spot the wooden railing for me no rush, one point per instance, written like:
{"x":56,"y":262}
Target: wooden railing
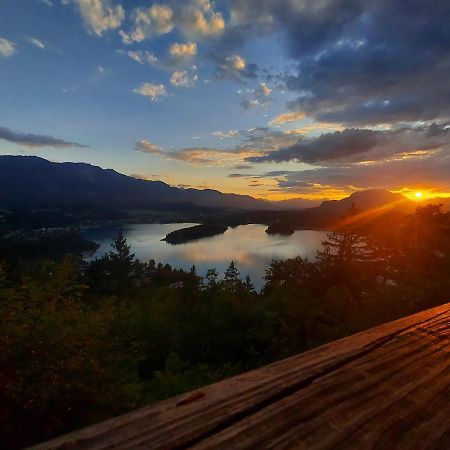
{"x":385,"y":388}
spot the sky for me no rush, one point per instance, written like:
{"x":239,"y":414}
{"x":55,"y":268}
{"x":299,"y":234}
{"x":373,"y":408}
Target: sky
{"x":277,"y":99}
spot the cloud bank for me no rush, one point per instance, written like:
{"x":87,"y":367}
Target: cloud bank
{"x":359,"y":62}
{"x":35,"y":140}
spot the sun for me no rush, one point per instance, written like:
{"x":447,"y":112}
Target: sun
{"x":418,"y":195}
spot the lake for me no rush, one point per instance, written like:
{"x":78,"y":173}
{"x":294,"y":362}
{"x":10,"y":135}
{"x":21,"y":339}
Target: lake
{"x":249,"y":246}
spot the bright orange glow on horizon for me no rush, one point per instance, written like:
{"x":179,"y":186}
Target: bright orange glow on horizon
{"x":332,"y":194}
{"x":422,"y":194}
{"x":326,"y":195}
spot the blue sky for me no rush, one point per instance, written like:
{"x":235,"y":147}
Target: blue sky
{"x":276,"y":99}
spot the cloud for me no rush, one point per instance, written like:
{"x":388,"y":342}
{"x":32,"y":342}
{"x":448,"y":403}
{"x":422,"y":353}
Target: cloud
{"x":264,"y":139}
{"x":398,"y":158}
{"x":357,"y":62}
{"x":316,"y":127}
{"x":141,"y":57}
{"x":100,"y":15}
{"x":153,"y":21}
{"x":126,"y":37}
{"x":230,"y":134}
{"x":146,"y":146}
{"x":192,"y":18}
{"x":331,"y":153}
{"x":235,"y":62}
{"x":359,"y":145}
{"x":182,"y":53}
{"x":431,"y":172}
{"x":277,"y":173}
{"x":46,"y":2}
{"x":265,"y":90}
{"x":206,"y":156}
{"x":281,"y":119}
{"x":239,"y":175}
{"x":38,"y":43}
{"x":183,"y":78}
{"x":35,"y":140}
{"x":153,"y":91}
{"x":252,"y":143}
{"x":101,"y":72}
{"x":259,"y":140}
{"x":178,"y":55}
{"x":233,"y":67}
{"x":255,"y":97}
{"x":340,"y":144}
{"x":198,"y":18}
{"x":242,"y":167}
{"x":7,"y":48}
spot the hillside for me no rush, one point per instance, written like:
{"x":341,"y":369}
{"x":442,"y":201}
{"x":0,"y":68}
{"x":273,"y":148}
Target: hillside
{"x":377,"y":201}
{"x":297,"y":203}
{"x":32,"y":182}
{"x":368,"y":200}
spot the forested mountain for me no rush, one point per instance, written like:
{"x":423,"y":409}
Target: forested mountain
{"x":29,"y":181}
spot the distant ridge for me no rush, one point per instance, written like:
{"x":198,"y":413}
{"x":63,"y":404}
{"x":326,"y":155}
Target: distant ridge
{"x":330,"y":212}
{"x":375,"y":198}
{"x":33,"y":182}
{"x":369,"y":199}
{"x":297,"y":203}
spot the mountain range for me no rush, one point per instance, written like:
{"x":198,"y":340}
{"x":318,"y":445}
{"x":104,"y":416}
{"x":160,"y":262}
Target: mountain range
{"x":33,"y":182}
{"x":29,"y":181}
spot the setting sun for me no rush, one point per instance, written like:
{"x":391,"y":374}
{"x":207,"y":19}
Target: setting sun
{"x":418,"y":195}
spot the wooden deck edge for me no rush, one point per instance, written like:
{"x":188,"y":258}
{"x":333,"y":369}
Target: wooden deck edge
{"x":189,"y":419}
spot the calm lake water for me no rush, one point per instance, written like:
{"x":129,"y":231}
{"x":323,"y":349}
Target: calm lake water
{"x":249,"y":246}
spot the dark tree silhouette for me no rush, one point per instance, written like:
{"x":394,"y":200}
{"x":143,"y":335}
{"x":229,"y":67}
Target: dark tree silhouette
{"x":232,"y":278}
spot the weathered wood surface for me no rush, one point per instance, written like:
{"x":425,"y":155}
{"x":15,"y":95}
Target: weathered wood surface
{"x":385,"y":388}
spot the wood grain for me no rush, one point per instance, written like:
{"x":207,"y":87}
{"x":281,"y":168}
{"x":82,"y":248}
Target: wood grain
{"x":385,"y":388}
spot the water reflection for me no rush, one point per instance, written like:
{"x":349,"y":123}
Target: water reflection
{"x":248,"y":245}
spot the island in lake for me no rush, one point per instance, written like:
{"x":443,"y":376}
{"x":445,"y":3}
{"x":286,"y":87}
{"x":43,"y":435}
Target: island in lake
{"x":194,"y":233}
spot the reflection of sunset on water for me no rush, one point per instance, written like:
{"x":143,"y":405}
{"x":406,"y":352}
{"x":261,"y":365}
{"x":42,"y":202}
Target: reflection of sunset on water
{"x":221,"y":252}
{"x":249,"y":246}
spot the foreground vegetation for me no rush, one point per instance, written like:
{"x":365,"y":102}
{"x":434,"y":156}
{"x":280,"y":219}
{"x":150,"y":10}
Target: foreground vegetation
{"x":83,"y":341}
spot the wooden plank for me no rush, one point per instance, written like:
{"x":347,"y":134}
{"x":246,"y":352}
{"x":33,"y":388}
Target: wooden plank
{"x":388,"y":387}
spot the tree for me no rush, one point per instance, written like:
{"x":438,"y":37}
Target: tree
{"x":59,"y":358}
{"x":114,"y":273}
{"x":293,"y":274}
{"x":211,"y":279}
{"x":232,"y":280}
{"x":248,"y":285}
{"x":121,"y":250}
{"x":192,"y":282}
{"x":347,"y":244}
{"x":344,"y":254}
{"x":426,"y":238}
